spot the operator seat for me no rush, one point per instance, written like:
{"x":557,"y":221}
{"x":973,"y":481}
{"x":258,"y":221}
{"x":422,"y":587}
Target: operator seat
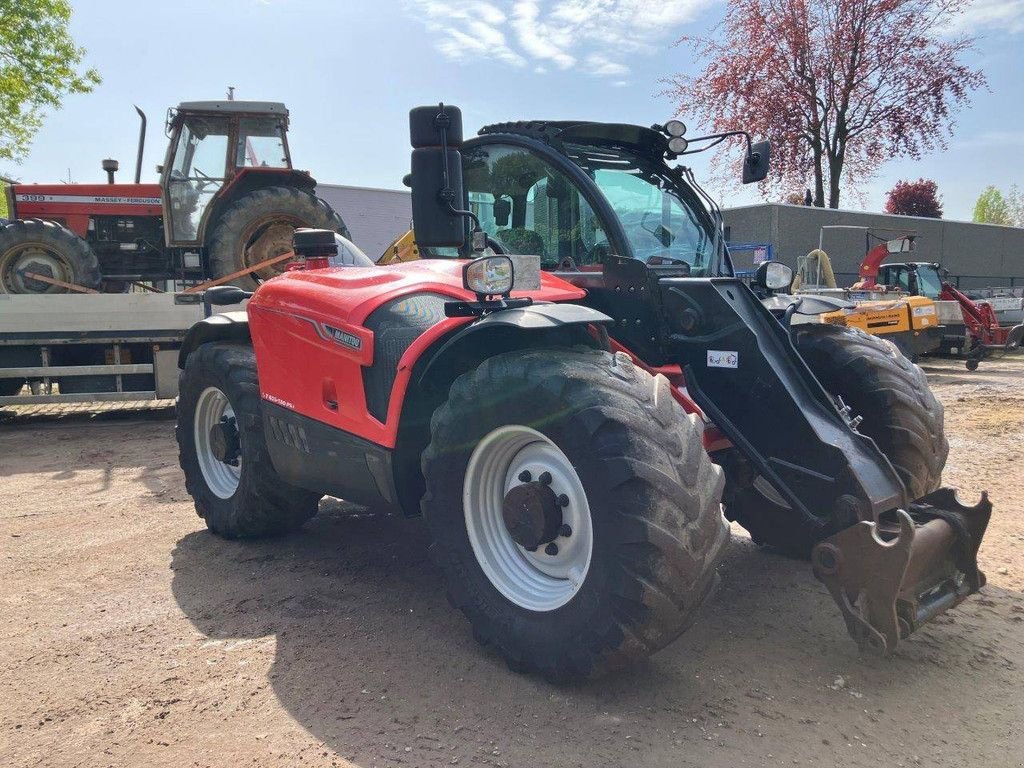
{"x":520,"y":240}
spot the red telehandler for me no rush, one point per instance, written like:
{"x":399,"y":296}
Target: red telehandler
{"x":569,"y":388}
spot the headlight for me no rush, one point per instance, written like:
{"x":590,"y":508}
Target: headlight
{"x":678,"y":145}
{"x":489,"y":275}
{"x":675,"y":128}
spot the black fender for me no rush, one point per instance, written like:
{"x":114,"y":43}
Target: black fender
{"x":226,"y":326}
{"x":530,"y":319}
{"x":810,"y":304}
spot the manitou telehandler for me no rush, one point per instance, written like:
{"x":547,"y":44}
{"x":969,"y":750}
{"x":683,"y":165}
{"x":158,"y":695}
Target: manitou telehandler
{"x":571,"y":433}
{"x":228,"y":200}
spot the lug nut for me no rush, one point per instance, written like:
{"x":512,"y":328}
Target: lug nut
{"x":545,"y":477}
{"x":563,"y":500}
{"x":565,"y":530}
{"x":551,"y":549}
{"x":525,"y":476}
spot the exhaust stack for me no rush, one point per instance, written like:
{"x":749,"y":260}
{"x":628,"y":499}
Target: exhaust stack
{"x":142,"y":144}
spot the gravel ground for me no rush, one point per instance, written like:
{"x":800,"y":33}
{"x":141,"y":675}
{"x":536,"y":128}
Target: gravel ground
{"x":131,"y":636}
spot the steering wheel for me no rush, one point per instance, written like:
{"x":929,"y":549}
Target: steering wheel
{"x":567,"y":264}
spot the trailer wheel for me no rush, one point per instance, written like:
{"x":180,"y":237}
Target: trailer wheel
{"x":573,"y":509}
{"x":899,"y":411}
{"x":48,"y":249}
{"x":259,"y":226}
{"x":222,"y":450}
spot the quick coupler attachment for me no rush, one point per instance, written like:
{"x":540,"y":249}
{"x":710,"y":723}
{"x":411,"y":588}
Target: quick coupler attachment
{"x":892,"y":576}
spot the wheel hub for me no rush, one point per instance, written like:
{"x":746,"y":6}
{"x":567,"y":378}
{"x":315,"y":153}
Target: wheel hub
{"x":224,"y":442}
{"x":532,"y":514}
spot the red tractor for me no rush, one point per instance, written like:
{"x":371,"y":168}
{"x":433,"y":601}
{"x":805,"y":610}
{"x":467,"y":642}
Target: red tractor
{"x":572,"y":433}
{"x":228,"y":200}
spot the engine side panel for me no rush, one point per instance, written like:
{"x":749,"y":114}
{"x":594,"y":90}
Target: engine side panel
{"x":73,"y":205}
{"x":324,"y":353}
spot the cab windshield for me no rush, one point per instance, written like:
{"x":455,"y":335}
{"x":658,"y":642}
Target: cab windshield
{"x":528,"y":205}
{"x":928,"y":281}
{"x":664,"y":222}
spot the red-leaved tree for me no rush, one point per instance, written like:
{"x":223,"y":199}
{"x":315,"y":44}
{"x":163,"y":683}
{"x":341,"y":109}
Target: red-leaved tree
{"x":915,"y":198}
{"x":839,"y":86}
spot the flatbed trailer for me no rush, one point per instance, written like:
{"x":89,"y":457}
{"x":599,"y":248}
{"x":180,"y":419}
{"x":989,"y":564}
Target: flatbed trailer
{"x":78,"y":348}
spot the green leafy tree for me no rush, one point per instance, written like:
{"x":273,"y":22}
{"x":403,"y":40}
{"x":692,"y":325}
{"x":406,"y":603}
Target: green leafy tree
{"x":39,"y":65}
{"x":992,"y":208}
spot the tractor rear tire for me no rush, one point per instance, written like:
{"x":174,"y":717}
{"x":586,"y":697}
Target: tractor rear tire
{"x":900,"y":413}
{"x":250,"y":499}
{"x":634,"y":480}
{"x":48,"y":249}
{"x":259,"y":226}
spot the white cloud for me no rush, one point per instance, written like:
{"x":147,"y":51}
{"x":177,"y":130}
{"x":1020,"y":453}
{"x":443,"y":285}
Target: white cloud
{"x":595,"y":36}
{"x":1004,"y":15}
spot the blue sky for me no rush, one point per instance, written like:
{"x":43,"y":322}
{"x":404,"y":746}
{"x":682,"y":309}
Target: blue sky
{"x":349,"y":70}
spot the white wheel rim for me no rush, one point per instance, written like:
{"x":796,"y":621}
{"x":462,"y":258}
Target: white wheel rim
{"x":222,"y":479}
{"x":536,"y":581}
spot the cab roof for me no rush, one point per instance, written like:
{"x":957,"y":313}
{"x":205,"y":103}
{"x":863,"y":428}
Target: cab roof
{"x":645,"y":141}
{"x":235,"y":107}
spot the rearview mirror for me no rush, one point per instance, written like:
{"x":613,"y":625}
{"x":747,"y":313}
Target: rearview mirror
{"x":502,"y":210}
{"x":774,"y":276}
{"x":436,"y":179}
{"x":757,"y":162}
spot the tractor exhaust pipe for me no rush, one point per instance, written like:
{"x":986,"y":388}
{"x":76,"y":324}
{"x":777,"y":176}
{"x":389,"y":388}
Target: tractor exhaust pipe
{"x":142,"y":144}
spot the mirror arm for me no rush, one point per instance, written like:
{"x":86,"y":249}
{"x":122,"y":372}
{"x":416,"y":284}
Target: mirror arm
{"x":447,"y":195}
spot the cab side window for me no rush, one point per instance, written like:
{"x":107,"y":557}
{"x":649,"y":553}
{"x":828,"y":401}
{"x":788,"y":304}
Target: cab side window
{"x":530,"y":207}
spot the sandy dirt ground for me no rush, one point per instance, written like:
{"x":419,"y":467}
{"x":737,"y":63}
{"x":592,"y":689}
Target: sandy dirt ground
{"x":132,"y":637}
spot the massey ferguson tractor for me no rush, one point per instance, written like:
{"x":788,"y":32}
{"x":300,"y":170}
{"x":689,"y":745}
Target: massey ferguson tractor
{"x":570,"y":388}
{"x":227,"y":202}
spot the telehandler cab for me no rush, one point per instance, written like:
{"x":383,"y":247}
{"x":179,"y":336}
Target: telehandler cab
{"x":570,"y":433}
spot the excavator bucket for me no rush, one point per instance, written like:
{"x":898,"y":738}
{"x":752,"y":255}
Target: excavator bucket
{"x":891,"y":577}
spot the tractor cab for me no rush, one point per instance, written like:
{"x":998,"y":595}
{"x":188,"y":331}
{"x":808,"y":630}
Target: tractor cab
{"x":919,"y":278}
{"x":213,"y":144}
{"x":578,"y":194}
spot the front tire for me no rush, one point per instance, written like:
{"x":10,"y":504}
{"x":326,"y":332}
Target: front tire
{"x":638,"y":491}
{"x":223,"y":452}
{"x":899,"y":411}
{"x":259,"y":226}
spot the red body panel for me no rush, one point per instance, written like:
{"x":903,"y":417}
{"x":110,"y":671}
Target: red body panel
{"x":301,"y":367}
{"x":73,"y":204}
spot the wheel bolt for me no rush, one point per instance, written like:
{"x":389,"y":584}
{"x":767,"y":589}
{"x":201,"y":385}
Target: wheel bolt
{"x":525,"y":476}
{"x":545,"y":477}
{"x":563,"y":500}
{"x":551,"y":549}
{"x":565,"y":530}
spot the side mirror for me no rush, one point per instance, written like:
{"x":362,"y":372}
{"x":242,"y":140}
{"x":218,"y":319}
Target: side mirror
{"x":757,"y":162}
{"x":774,"y":276}
{"x":502,"y":211}
{"x":436,"y":178}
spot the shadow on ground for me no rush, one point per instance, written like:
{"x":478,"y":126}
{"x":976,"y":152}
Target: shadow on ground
{"x":372,"y":660}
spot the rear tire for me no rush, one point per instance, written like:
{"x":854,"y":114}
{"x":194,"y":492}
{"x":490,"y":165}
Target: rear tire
{"x":45,"y":248}
{"x":250,"y":499}
{"x":620,"y":448}
{"x":900,"y":413}
{"x":259,"y":226}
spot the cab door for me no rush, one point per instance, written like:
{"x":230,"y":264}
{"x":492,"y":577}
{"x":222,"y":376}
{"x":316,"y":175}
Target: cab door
{"x":193,"y":175}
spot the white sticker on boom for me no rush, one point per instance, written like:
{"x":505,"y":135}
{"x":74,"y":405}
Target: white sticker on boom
{"x":718,"y":358}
